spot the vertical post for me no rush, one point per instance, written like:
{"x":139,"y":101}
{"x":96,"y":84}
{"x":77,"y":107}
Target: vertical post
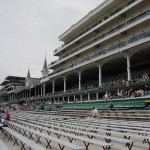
{"x":68,"y":99}
{"x":44,"y":89}
{"x":128,"y":56}
{"x":41,"y":90}
{"x":88,"y":96}
{"x":53,"y":86}
{"x":100,"y":75}
{"x":128,"y":67}
{"x":74,"y":97}
{"x":64,"y":84}
{"x":97,"y":96}
{"x":79,"y":74}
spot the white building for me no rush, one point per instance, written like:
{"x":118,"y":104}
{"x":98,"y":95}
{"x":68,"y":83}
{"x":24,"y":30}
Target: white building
{"x":111,"y":42}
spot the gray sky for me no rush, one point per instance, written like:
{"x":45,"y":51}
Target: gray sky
{"x":29,"y":29}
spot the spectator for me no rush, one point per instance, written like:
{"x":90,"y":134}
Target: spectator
{"x":110,"y":107}
{"x":7,"y":116}
{"x":3,"y":121}
{"x":93,"y":113}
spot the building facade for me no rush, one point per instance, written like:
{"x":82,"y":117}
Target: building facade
{"x":107,"y":47}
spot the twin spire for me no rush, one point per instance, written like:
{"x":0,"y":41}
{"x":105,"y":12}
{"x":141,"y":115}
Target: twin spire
{"x":45,"y":69}
{"x":44,"y":73}
{"x":28,"y":79}
{"x":28,"y":75}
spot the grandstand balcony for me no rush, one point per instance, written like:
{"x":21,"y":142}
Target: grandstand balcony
{"x":130,"y":43}
{"x":120,"y":11}
{"x":116,"y":31}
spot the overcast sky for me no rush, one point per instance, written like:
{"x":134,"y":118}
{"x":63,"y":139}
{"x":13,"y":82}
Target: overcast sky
{"x":29,"y":29}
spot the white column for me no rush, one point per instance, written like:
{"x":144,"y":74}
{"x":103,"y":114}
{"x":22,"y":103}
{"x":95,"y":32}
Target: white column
{"x":96,"y":95}
{"x":79,"y":74}
{"x":88,"y":96}
{"x":44,"y":89}
{"x":100,"y":75}
{"x":128,"y":56}
{"x":53,"y":86}
{"x":64,"y":84}
{"x":68,"y":99}
{"x":128,"y":67}
{"x":41,"y":91}
{"x":74,"y":97}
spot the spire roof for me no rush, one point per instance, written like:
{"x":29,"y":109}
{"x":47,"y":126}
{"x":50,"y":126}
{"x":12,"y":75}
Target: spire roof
{"x":45,"y":65}
{"x":28,"y":74}
{"x":45,"y":69}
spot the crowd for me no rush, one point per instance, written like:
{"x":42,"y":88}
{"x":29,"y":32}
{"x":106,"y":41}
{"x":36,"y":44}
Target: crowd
{"x":131,"y":92}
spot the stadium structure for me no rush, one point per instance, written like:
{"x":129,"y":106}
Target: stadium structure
{"x":105,"y":57}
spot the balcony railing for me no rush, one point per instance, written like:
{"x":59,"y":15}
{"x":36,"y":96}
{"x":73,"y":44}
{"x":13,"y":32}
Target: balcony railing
{"x":104,"y":51}
{"x":96,"y":24}
{"x":105,"y":35}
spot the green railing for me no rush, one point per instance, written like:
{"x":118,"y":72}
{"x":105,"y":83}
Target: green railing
{"x":135,"y":103}
{"x":125,"y":103}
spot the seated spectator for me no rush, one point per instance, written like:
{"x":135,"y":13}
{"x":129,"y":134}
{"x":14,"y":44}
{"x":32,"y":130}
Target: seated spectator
{"x":93,"y":113}
{"x":7,"y":116}
{"x":3,"y":121}
{"x":110,"y":107}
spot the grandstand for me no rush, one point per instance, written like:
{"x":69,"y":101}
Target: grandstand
{"x":105,"y":57}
